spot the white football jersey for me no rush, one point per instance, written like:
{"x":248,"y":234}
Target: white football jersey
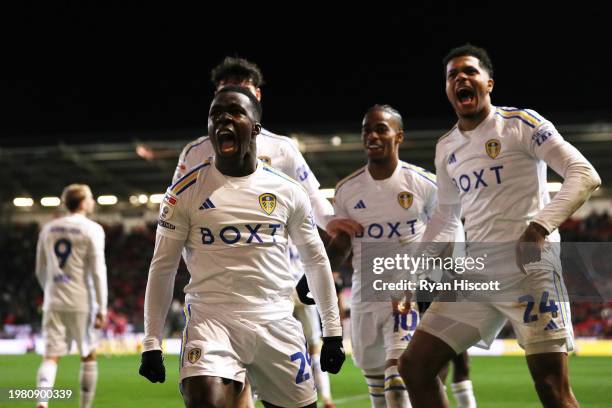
{"x":496,"y":173}
{"x":70,"y":264}
{"x":236,"y":231}
{"x":277,"y":151}
{"x":393,"y":211}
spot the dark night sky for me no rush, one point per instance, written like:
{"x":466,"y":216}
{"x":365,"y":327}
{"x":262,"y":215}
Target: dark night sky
{"x":320,"y":69}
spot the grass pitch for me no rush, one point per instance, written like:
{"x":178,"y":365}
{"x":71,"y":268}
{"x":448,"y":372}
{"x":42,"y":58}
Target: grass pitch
{"x":498,"y":382}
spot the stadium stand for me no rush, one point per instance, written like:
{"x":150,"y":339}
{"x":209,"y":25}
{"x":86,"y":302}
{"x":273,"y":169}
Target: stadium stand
{"x":128,"y":257}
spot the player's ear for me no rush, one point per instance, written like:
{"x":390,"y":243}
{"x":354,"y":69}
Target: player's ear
{"x":258,"y":94}
{"x":256,"y":129}
{"x":399,"y":137}
{"x":490,"y":83}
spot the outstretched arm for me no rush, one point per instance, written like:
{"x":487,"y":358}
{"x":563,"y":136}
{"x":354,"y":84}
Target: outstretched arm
{"x":305,"y":236}
{"x":160,"y":286}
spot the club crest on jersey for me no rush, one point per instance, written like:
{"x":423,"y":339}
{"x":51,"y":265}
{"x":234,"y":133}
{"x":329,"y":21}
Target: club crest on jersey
{"x":267,"y":201}
{"x":266,"y":159}
{"x":405,"y":199}
{"x":194,"y":355}
{"x":493,"y":147}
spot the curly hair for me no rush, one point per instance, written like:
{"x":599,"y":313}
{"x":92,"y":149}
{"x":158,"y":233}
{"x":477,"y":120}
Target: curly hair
{"x":472,"y":51}
{"x":239,"y":69}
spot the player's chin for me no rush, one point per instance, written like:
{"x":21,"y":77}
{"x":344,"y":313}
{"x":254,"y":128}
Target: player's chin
{"x":375,"y":155}
{"x":466,"y":111}
{"x":378,"y":156}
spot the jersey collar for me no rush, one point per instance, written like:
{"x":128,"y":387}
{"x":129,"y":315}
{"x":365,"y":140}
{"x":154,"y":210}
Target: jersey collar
{"x":370,"y":179}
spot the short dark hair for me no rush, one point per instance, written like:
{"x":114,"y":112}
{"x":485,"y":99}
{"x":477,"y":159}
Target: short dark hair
{"x":390,"y":110}
{"x":236,"y":68}
{"x":73,"y":195}
{"x":472,"y":51}
{"x":245,"y":91}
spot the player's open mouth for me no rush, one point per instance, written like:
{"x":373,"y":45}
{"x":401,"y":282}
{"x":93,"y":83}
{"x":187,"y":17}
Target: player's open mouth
{"x":227,"y":141}
{"x":374,"y":147}
{"x":465,"y":96}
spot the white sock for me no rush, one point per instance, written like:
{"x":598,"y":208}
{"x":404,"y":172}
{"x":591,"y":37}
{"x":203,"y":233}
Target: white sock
{"x":464,"y":394}
{"x":321,"y":377}
{"x":376,"y":388}
{"x":396,"y":394}
{"x":45,"y":378}
{"x":88,"y":377}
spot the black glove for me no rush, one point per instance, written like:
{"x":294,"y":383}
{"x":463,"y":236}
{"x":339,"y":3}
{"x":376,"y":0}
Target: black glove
{"x":303,"y":290}
{"x":332,"y":354}
{"x":152,"y":366}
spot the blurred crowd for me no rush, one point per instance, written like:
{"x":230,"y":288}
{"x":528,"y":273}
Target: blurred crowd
{"x":128,"y":255}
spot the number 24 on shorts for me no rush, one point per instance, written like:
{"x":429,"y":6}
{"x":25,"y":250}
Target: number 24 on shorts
{"x":545,"y":307}
{"x":304,"y":358}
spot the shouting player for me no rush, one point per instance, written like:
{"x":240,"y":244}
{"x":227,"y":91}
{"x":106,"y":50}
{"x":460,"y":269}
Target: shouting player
{"x":233,"y":215}
{"x":491,"y":168}
{"x":281,"y":153}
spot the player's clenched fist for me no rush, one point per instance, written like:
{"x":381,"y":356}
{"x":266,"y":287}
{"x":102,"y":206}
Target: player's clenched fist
{"x":152,"y":366}
{"x":332,"y":354}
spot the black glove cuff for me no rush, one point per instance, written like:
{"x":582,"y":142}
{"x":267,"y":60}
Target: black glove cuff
{"x":151,"y":354}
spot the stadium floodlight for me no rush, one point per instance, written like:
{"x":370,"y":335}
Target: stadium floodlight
{"x":134,"y":200}
{"x":50,"y":201}
{"x":328,"y":192}
{"x":145,"y":151}
{"x":336,"y":141}
{"x":107,"y":200}
{"x":142,"y":198}
{"x":156,"y":198}
{"x":23,"y":202}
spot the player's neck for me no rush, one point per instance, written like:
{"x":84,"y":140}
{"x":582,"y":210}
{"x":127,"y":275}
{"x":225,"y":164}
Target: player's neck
{"x":471,"y":122}
{"x":382,"y":170}
{"x":237,"y":167}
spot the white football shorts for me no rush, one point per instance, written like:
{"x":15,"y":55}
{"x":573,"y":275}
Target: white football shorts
{"x":379,"y":335}
{"x":61,"y":328}
{"x":221,"y":344}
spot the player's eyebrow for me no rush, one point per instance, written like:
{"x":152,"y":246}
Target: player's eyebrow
{"x":452,"y":71}
{"x":373,"y":125}
{"x":464,"y":68}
